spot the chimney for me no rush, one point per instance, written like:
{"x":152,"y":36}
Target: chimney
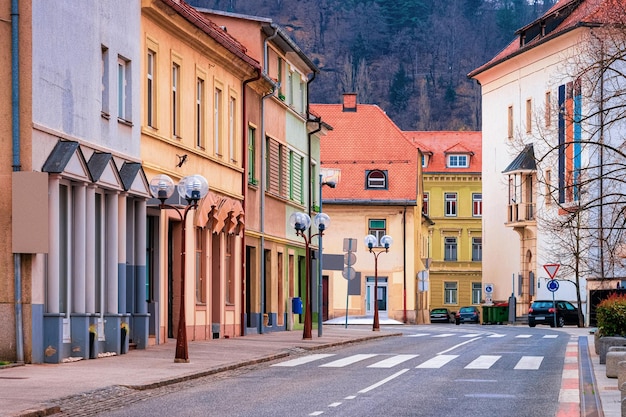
{"x":349,"y":102}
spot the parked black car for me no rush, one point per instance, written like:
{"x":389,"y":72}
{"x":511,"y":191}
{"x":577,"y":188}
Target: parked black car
{"x":543,"y":311}
{"x":467,"y":315}
{"x":441,"y":315}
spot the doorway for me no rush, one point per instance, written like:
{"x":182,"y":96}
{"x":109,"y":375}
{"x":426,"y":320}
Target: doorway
{"x":381,"y":297}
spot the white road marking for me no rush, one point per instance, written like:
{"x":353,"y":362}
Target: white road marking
{"x":334,"y":404}
{"x":471,"y":335}
{"x":551,"y":336}
{"x":384,"y":381}
{"x":496,"y":335}
{"x":523,"y":336}
{"x":392,"y":361}
{"x":316,"y":413}
{"x":529,"y":362}
{"x":483,"y":362}
{"x":444,"y":335}
{"x":459,"y":345}
{"x":417,"y":335}
{"x":350,"y":397}
{"x":340,"y":363}
{"x":304,"y":359}
{"x":437,"y":362}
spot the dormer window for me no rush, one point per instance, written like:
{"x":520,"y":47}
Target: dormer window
{"x":458,"y":161}
{"x":376,"y":179}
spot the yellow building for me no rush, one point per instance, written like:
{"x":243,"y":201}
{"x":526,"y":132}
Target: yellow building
{"x":453,"y":201}
{"x":193,"y":78}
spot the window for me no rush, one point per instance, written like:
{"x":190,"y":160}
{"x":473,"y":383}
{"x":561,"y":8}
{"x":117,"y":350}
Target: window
{"x":477,"y":249}
{"x":450,"y":292}
{"x":175,"y":100}
{"x":424,"y":161}
{"x":150,"y":88}
{"x":477,"y":204}
{"x":200,"y":111}
{"x":458,"y":161}
{"x":124,"y":92}
{"x":548,"y":193}
{"x":476,"y":292}
{"x":510,"y":122}
{"x":251,"y":155}
{"x":529,"y":115}
{"x":281,"y":171}
{"x":425,"y":204}
{"x":290,"y":88}
{"x":229,"y":260}
{"x":105,"y":81}
{"x":281,"y":92}
{"x":378,"y":228}
{"x":376,"y":179}
{"x":450,"y":249}
{"x":450,"y":204}
{"x":200,"y":266}
{"x":296,"y":185}
{"x":217,"y":122}
{"x":232,"y":129}
{"x":548,"y":114}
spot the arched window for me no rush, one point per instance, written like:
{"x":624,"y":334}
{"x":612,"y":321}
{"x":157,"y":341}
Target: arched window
{"x":376,"y":179}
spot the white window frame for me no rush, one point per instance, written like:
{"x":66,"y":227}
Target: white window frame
{"x":124,"y":99}
{"x":477,"y":204}
{"x":377,"y":182}
{"x":451,"y":202}
{"x":450,"y":292}
{"x":458,"y":161}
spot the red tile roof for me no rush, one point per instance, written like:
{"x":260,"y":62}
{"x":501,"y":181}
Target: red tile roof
{"x":214,"y":31}
{"x":439,"y":144}
{"x":565,"y":15}
{"x":363,"y":140}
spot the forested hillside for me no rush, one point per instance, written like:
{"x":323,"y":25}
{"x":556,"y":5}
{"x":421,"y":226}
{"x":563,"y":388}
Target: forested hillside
{"x":410,"y":57}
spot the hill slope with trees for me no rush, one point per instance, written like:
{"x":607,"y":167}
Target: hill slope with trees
{"x":410,"y":57}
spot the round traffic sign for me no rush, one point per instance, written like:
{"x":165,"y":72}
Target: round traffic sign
{"x":489,"y":288}
{"x":553,"y":285}
{"x":348,"y":272}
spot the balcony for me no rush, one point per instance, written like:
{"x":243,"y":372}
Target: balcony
{"x":520,"y":214}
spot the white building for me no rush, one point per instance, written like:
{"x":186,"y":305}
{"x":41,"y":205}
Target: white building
{"x":541,"y":128}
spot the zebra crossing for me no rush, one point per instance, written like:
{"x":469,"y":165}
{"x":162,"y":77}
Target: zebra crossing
{"x":388,"y":361}
{"x":529,"y":363}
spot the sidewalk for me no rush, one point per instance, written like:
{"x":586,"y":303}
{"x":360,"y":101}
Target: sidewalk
{"x":26,"y":391}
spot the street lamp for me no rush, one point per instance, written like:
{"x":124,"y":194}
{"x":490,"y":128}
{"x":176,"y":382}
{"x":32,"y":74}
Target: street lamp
{"x":330,"y":178}
{"x":192,"y":189}
{"x":301,"y":222}
{"x":370,"y":241}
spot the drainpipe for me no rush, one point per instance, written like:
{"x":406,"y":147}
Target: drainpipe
{"x":404,"y":263}
{"x":263,"y":174}
{"x":15,"y":130}
{"x":244,"y":192}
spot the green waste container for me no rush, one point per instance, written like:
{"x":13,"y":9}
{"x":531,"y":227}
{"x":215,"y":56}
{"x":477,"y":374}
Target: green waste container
{"x":496,"y":314}
{"x":487,"y":314}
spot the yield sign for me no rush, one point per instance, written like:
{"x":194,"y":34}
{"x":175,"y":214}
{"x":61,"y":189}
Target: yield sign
{"x":551,"y":269}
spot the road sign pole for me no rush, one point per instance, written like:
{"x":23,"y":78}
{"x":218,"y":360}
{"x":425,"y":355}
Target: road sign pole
{"x":554,"y":308}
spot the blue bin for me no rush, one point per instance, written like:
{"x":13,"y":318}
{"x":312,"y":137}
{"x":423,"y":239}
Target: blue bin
{"x":296,"y":305}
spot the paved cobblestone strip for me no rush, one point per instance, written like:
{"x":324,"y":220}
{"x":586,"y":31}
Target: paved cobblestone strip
{"x":569,"y":395}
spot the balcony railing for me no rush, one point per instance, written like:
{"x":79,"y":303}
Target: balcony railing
{"x":521,"y":212}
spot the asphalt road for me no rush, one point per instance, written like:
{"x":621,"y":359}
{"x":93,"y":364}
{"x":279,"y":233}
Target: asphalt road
{"x":446,"y":370}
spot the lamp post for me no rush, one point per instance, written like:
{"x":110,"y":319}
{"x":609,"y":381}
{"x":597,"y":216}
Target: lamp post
{"x":301,"y":222}
{"x":386,"y":241}
{"x":191,"y":188}
{"x":328,"y":177}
